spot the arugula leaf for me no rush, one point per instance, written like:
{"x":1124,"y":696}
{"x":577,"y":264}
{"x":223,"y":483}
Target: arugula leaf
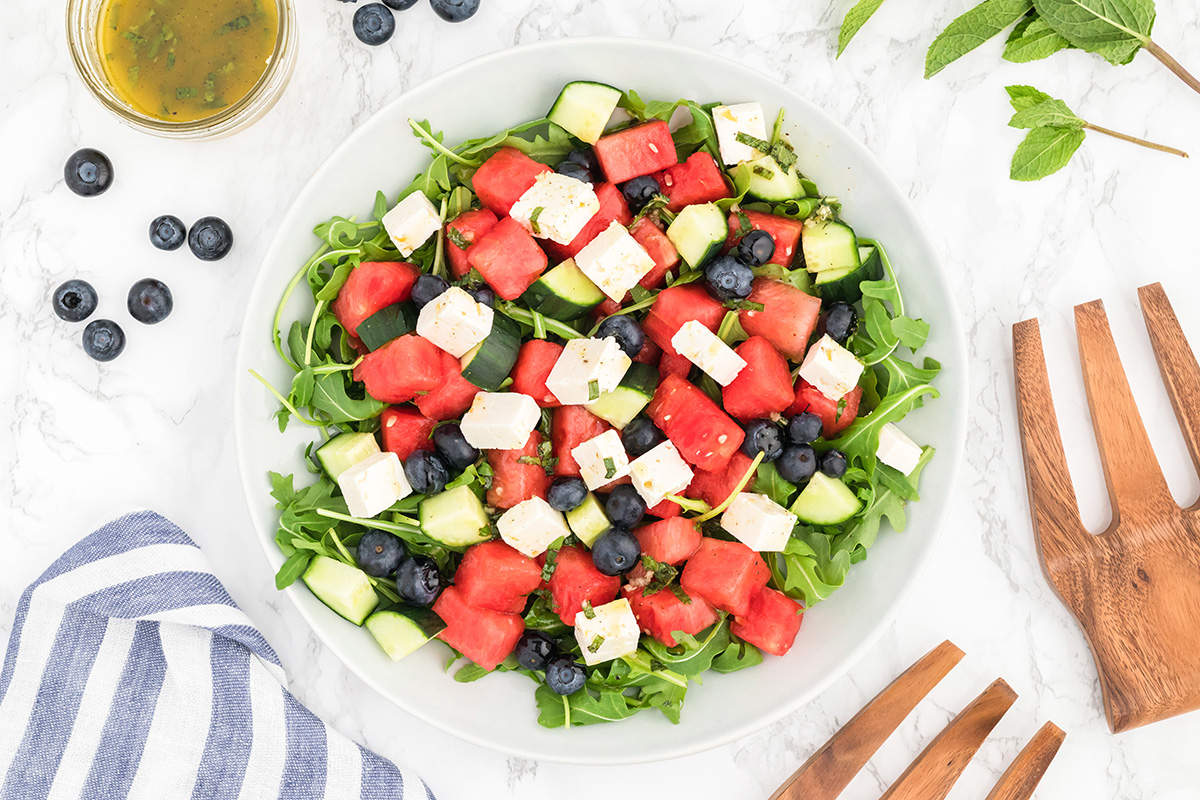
{"x":855,"y":18}
{"x":583,"y":708}
{"x":691,"y":656}
{"x":811,"y":570}
{"x":768,"y":481}
{"x":887,"y":502}
{"x":292,"y":569}
{"x":330,"y":396}
{"x":1113,"y":29}
{"x":738,"y":655}
{"x":861,"y":439}
{"x":1033,"y":39}
{"x":972,"y":29}
{"x":901,"y":376}
{"x":1043,"y":152}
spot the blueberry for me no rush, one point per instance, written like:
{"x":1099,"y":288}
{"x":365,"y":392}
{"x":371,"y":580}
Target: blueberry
{"x":577,"y":171}
{"x":374,"y":24}
{"x":426,"y":472}
{"x":755,"y":248}
{"x":103,"y":340}
{"x":534,"y":649}
{"x":565,"y":675}
{"x":585,"y":157}
{"x":726,"y":278}
{"x":149,"y":301}
{"x":418,"y":580}
{"x":74,"y":301}
{"x":625,"y":507}
{"x":210,"y":239}
{"x":841,"y":321}
{"x":400,"y":5}
{"x":379,"y":553}
{"x":88,"y":172}
{"x":616,"y":552}
{"x":641,"y":436}
{"x":566,"y":494}
{"x":640,"y":191}
{"x":452,"y":446}
{"x":482,"y":294}
{"x":427,"y":288}
{"x":168,"y":232}
{"x":797,"y":463}
{"x":833,"y":463}
{"x":763,"y":436}
{"x":626,"y":331}
{"x":805,"y":427}
{"x":455,"y":10}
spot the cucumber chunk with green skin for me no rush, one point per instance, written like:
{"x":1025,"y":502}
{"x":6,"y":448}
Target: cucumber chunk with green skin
{"x":488,"y":363}
{"x":698,"y":233}
{"x":386,"y":324}
{"x":826,"y":501}
{"x":588,"y":521}
{"x":763,"y":178}
{"x":343,"y":588}
{"x":564,"y":293}
{"x":345,"y":450}
{"x":401,"y":630}
{"x":633,"y":393}
{"x":828,"y":245}
{"x":455,"y":518}
{"x":583,"y":109}
{"x":845,"y":285}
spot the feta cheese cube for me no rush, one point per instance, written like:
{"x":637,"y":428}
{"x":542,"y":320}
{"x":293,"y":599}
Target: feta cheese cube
{"x":374,"y":484}
{"x":454,"y":321}
{"x":758,"y":522}
{"x":831,"y":368}
{"x":705,"y":349}
{"x":729,"y":121}
{"x":897,"y":450}
{"x":610,"y":632}
{"x":531,"y":526}
{"x":601,"y":459}
{"x":660,"y":472}
{"x":556,"y":207}
{"x":614,"y":261}
{"x":585,"y":369}
{"x":500,"y":420}
{"x":411,"y":222}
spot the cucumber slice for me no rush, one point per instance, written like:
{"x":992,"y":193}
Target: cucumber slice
{"x":826,"y":501}
{"x":342,"y":587}
{"x":387,"y":324}
{"x":345,"y":450}
{"x":698,"y":232}
{"x":455,"y":518}
{"x":488,"y":363}
{"x":564,"y":293}
{"x":402,"y":629}
{"x":588,"y":521}
{"x":828,"y":245}
{"x":763,"y":178}
{"x":845,"y":285}
{"x":583,"y":109}
{"x":633,"y":393}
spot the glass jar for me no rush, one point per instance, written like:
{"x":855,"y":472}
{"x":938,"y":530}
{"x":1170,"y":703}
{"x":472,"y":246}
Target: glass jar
{"x":83,"y":39}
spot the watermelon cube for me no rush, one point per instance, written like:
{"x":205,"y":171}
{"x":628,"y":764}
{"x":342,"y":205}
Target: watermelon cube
{"x":771,"y":622}
{"x":659,"y":247}
{"x":787,"y":320}
{"x":571,"y":427}
{"x":833,"y":419}
{"x":508,"y":258}
{"x":575,"y":580}
{"x":678,"y":305}
{"x":372,"y":286}
{"x":726,"y":574}
{"x":669,"y":541}
{"x":515,"y":481}
{"x":697,"y":180}
{"x":452,"y":396}
{"x":466,"y":227}
{"x":534,"y":362}
{"x":704,"y":434}
{"x":662,"y":614}
{"x":482,"y":635}
{"x":784,"y":231}
{"x":398,"y":371}
{"x":763,"y":387}
{"x":504,"y":177}
{"x":640,"y":150}
{"x":405,"y":430}
{"x":714,"y":486}
{"x":494,"y":576}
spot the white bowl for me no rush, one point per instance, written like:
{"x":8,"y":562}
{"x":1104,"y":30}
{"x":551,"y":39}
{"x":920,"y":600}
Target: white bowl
{"x":491,"y":93}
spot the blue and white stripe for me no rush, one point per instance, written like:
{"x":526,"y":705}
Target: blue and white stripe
{"x":131,"y":673}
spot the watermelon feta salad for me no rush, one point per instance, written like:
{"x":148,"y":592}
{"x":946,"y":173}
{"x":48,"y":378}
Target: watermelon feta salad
{"x":609,"y":399}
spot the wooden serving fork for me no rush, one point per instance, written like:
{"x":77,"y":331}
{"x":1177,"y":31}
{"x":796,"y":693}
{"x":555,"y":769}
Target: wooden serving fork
{"x":1135,"y":588}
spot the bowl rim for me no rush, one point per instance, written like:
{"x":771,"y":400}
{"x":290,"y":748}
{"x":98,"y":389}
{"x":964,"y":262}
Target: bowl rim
{"x":937,"y":524}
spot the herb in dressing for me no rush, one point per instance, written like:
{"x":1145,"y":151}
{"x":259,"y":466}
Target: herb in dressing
{"x":182,"y":61}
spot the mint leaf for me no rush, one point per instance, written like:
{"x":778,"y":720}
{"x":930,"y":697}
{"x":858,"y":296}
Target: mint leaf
{"x":1033,"y":39}
{"x":972,"y":29}
{"x":854,"y":20}
{"x":1023,"y":97}
{"x":1113,"y":29}
{"x":1044,"y":152}
{"x":1048,"y":113}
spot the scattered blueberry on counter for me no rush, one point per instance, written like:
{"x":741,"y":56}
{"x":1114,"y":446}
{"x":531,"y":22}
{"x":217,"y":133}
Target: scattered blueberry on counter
{"x":455,"y":10}
{"x":210,"y":239}
{"x":374,"y":24}
{"x":168,"y":232}
{"x":399,"y":5}
{"x":103,"y":340}
{"x":150,"y":301}
{"x":88,"y":172}
{"x":74,"y":301}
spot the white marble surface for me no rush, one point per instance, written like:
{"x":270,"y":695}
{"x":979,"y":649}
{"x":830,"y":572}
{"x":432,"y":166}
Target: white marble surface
{"x":154,"y":427}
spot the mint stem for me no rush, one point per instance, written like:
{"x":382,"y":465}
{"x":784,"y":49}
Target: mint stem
{"x":1170,"y":63}
{"x":1127,"y":138}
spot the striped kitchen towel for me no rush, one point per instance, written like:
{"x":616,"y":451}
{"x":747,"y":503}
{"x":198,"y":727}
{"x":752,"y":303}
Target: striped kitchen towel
{"x":131,"y":673}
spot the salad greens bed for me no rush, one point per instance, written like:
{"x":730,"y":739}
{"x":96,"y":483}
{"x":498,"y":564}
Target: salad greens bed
{"x":314,"y":519}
